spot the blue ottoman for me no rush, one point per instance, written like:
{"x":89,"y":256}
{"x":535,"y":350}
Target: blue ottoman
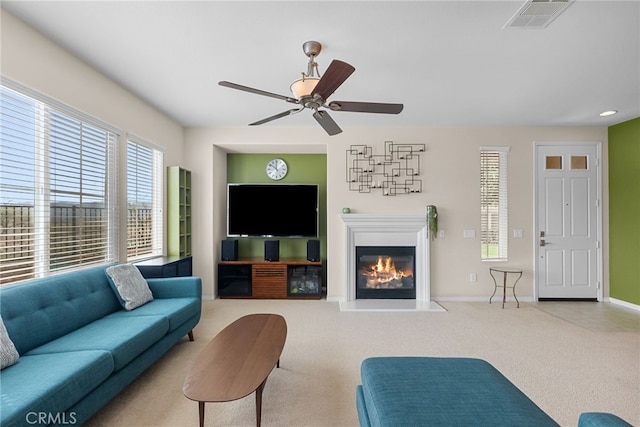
{"x":419,"y":391}
{"x":601,"y":419}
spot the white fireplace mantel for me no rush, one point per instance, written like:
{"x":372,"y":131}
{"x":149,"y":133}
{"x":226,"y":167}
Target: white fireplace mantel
{"x":387,"y":230}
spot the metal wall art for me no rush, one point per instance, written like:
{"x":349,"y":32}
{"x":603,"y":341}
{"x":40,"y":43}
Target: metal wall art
{"x":394,"y":172}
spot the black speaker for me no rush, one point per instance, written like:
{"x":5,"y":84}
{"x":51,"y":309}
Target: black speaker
{"x":313,"y":250}
{"x":229,"y":250}
{"x":272,"y":250}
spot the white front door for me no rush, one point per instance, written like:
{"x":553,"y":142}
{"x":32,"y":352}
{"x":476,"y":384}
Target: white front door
{"x":567,"y":211}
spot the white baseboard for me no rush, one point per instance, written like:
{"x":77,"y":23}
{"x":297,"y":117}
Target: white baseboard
{"x":495,"y":299}
{"x":624,"y":304}
{"x":457,"y":299}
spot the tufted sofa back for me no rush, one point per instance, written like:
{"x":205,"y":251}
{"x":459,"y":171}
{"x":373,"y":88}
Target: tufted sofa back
{"x":41,"y":310}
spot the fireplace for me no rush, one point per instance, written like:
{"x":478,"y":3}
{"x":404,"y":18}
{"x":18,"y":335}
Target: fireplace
{"x":385,"y":272}
{"x":387,"y":230}
{"x":384,"y":230}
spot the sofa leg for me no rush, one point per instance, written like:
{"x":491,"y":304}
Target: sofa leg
{"x":190,"y":335}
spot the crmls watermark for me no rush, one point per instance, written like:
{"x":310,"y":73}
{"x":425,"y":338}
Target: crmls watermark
{"x":47,"y":418}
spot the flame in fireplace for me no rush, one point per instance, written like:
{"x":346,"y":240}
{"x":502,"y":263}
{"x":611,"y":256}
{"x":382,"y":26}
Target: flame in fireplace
{"x":383,"y":274}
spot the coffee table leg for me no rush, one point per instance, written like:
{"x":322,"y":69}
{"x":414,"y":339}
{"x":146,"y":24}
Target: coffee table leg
{"x":259,"y":402}
{"x":201,"y":413}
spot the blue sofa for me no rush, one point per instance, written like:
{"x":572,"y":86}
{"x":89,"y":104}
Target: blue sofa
{"x":79,"y":348}
{"x":419,"y":391}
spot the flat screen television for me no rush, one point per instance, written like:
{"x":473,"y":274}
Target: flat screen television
{"x":272,"y":210}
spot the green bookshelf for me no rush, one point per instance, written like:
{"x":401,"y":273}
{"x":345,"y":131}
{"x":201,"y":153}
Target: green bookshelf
{"x":178,"y":211}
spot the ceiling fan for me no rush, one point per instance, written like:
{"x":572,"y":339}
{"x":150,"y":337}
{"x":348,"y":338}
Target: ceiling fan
{"x":312,"y":91}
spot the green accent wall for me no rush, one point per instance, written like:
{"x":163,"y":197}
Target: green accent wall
{"x":302,"y":169}
{"x":624,"y":211}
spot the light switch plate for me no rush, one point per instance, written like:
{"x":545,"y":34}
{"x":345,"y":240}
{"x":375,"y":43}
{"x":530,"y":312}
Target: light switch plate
{"x":469,"y":234}
{"x":517,"y":233}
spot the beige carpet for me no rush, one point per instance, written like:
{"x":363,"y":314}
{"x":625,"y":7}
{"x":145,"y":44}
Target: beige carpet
{"x":564,"y":363}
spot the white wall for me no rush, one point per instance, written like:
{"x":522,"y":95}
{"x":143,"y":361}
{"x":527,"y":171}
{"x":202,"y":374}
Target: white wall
{"x":450,"y":174}
{"x":36,"y":62}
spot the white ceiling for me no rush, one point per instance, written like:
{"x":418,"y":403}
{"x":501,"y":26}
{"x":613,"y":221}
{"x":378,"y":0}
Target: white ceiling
{"x":451,"y":63}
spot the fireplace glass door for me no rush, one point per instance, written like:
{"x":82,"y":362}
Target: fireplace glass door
{"x":385,"y":272}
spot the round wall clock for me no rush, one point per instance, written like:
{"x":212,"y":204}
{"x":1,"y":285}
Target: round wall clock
{"x":276,"y":169}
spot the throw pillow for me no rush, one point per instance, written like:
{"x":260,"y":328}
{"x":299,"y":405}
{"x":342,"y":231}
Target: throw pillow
{"x":8,"y":353}
{"x":129,"y":285}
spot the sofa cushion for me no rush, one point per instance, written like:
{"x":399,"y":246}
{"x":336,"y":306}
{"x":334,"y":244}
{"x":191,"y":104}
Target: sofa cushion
{"x":50,"y":383}
{"x":444,"y":391}
{"x":176,"y":310}
{"x":124,"y":337}
{"x":8,"y":353}
{"x":129,"y":285}
{"x":41,"y":310}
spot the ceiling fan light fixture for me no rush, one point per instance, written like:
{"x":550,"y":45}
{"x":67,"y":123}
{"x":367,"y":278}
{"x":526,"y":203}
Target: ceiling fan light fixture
{"x":304,"y":86}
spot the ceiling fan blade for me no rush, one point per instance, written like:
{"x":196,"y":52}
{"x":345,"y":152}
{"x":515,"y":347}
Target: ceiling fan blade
{"x":366,"y":107}
{"x":327,"y":122}
{"x":277,"y":116}
{"x":335,"y":75}
{"x":257,"y":91}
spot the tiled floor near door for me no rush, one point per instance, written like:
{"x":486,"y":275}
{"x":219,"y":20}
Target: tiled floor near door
{"x":594,"y":316}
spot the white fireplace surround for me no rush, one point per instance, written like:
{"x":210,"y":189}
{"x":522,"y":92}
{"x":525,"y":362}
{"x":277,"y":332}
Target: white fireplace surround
{"x":387,"y":230}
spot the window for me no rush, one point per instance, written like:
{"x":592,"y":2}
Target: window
{"x":493,"y":203}
{"x":57,"y":187}
{"x":144,"y":199}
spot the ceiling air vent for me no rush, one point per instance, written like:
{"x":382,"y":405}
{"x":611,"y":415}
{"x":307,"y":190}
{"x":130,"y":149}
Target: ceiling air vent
{"x":537,"y":13}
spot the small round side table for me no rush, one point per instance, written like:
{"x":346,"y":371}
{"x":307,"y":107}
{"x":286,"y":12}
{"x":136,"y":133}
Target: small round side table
{"x":505,"y":272}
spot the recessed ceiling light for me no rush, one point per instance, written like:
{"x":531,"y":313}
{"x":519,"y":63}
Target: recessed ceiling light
{"x":608,"y":113}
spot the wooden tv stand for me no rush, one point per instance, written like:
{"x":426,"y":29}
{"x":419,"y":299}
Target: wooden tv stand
{"x":291,"y":278}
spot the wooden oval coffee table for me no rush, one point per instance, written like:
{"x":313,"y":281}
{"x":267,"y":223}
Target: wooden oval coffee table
{"x":237,"y":362}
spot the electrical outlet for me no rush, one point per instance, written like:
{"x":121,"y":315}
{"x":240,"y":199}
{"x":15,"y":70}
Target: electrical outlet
{"x":441,"y":234}
{"x":473,"y":277}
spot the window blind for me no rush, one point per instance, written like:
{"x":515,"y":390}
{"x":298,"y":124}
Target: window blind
{"x":57,"y":205}
{"x":493,"y":203}
{"x":144,"y":199}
